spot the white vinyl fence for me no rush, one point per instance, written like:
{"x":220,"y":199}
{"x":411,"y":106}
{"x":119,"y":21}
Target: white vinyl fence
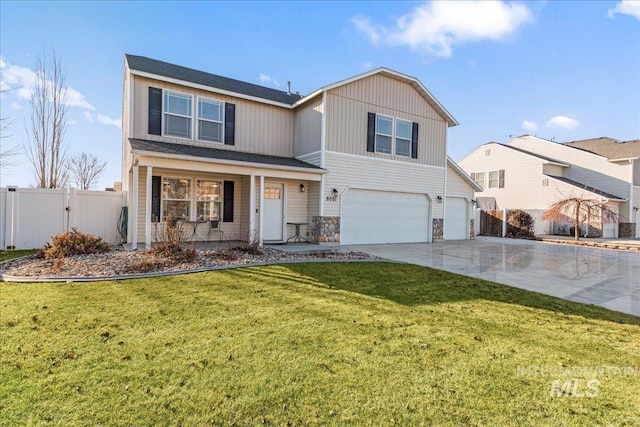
{"x":30,"y":216}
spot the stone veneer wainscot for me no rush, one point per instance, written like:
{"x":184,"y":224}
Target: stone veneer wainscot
{"x":325,"y":229}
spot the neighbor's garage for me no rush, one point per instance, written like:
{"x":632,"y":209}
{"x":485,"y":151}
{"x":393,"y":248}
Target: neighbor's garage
{"x":384,"y":217}
{"x":456,"y":219}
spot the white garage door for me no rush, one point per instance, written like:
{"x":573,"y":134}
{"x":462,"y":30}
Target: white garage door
{"x":455,"y":219}
{"x":384,"y":217}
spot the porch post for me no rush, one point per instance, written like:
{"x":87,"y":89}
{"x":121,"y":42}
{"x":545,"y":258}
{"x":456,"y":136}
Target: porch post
{"x":252,"y":208}
{"x":261,"y":216}
{"x":147,"y":219}
{"x":134,"y":210}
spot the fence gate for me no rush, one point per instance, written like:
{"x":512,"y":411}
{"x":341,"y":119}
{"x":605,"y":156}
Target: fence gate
{"x":491,"y":223}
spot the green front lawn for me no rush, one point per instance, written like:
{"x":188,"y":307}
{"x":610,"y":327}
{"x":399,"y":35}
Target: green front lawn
{"x":308,"y":344}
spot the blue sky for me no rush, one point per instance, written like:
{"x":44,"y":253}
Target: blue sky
{"x":563,"y":70}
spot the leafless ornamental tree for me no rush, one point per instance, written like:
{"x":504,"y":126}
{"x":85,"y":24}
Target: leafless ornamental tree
{"x":576,"y":208}
{"x":86,"y":169}
{"x":45,"y":131}
{"x":6,"y":154}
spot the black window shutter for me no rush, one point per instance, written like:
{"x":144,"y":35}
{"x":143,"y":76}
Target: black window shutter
{"x":155,"y":111}
{"x":155,"y":198}
{"x":414,"y":141}
{"x":229,"y":123}
{"x":501,"y":179}
{"x":227,"y":214}
{"x":371,"y":132}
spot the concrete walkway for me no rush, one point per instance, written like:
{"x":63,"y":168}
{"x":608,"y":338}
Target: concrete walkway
{"x":607,"y":278}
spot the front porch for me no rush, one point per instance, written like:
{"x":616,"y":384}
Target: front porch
{"x":215,"y":199}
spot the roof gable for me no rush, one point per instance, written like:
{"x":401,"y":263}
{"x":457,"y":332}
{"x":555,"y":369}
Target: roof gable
{"x":414,"y":82}
{"x":164,"y":70}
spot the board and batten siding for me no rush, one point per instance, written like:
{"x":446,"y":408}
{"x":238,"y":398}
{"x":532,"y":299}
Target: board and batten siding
{"x":349,"y":171}
{"x":586,"y":168}
{"x":308,"y":128}
{"x":259,"y":128}
{"x":457,"y":186}
{"x":346,"y":123}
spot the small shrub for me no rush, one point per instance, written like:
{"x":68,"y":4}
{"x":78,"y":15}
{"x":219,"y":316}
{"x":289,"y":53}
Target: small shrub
{"x":251,"y":247}
{"x":144,"y":266}
{"x":520,"y":225}
{"x":73,"y":243}
{"x":227,"y":254}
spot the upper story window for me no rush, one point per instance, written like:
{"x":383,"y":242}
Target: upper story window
{"x":171,"y":114}
{"x":384,"y":134}
{"x":210,"y":120}
{"x":391,"y":135}
{"x":496,"y":179}
{"x":478,"y":177}
{"x":403,"y":138}
{"x":177,"y":114}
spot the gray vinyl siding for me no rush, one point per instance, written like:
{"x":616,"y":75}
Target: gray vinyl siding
{"x":636,"y":172}
{"x":457,"y":186}
{"x":142,"y":203}
{"x":313,"y":158}
{"x":346,"y":123}
{"x":259,"y":128}
{"x":313,"y":195}
{"x":308,"y":128}
{"x":126,"y":154}
{"x":296,"y":209}
{"x":348,"y":171}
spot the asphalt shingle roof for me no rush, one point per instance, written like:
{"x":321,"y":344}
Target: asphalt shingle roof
{"x":216,"y":153}
{"x":160,"y":68}
{"x":585,"y":187}
{"x":608,"y":147}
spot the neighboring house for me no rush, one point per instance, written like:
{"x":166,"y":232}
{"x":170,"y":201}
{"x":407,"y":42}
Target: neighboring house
{"x":358,"y":161}
{"x":532,"y":173}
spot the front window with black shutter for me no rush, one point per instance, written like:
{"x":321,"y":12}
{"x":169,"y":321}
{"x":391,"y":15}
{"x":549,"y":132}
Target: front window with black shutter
{"x":390,"y":135}
{"x":177,"y":114}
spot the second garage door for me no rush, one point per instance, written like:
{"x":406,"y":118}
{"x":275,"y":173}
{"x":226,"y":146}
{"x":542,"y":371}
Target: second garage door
{"x":384,"y":217}
{"x":455,"y":219}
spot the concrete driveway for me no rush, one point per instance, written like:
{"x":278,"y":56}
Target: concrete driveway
{"x":603,"y":277}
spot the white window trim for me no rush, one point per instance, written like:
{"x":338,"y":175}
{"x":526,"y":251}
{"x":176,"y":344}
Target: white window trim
{"x":177,"y":115}
{"x":163,"y":199}
{"x":393,"y":131}
{"x":497,"y":179}
{"x":197,"y":118}
{"x":484,"y":177}
{"x":193,"y":197}
{"x":394,"y":137}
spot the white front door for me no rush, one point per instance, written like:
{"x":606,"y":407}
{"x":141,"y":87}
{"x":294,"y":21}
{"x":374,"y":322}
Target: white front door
{"x":273,"y":212}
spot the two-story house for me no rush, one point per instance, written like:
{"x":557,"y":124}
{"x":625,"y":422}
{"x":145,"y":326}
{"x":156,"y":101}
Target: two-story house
{"x":358,"y":161}
{"x":532,"y":173}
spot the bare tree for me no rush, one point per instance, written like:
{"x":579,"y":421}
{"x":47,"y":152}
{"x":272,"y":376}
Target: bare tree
{"x":6,"y":154}
{"x":576,"y":208}
{"x":86,"y":168}
{"x":45,"y":132}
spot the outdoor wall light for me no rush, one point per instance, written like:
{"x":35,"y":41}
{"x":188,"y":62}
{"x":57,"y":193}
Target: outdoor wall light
{"x":302,"y":188}
{"x":335,"y":192}
{"x":439,"y":199}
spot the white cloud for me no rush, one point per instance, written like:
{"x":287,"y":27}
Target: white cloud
{"x":15,"y":105}
{"x":88,"y":116}
{"x":367,"y":65}
{"x":22,"y":80}
{"x":562,"y":122}
{"x":529,"y":126}
{"x":265,"y":78}
{"x":626,"y":7}
{"x":106,"y":120}
{"x":363,"y":24}
{"x":436,"y":26}
{"x":72,"y":122}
